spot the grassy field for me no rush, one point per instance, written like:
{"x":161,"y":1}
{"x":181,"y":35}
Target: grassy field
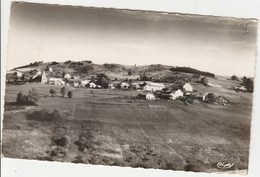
{"x":109,"y":127}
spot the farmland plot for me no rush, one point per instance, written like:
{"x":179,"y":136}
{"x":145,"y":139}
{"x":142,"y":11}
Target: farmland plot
{"x":103,"y":129}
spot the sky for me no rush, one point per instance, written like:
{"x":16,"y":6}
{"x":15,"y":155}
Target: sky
{"x":37,"y":32}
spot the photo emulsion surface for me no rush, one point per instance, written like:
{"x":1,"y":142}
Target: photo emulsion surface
{"x":129,"y":88}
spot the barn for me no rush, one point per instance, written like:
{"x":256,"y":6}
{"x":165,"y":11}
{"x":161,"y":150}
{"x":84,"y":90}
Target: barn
{"x":151,"y":86}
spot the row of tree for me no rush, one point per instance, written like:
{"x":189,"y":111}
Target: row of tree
{"x":192,"y":71}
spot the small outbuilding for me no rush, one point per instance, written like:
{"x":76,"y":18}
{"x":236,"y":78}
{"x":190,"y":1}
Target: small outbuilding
{"x":176,"y":94}
{"x":151,"y":86}
{"x":56,"y":81}
{"x":150,"y":96}
{"x":187,"y":87}
{"x":67,"y":76}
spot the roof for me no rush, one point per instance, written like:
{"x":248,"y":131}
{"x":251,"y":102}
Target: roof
{"x":155,"y":84}
{"x":55,"y":79}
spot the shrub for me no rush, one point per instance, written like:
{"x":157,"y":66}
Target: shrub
{"x":63,"y":91}
{"x":70,"y":94}
{"x":249,"y":84}
{"x":211,"y":98}
{"x":234,"y":77}
{"x":31,"y":98}
{"x":52,"y":92}
{"x":21,"y":98}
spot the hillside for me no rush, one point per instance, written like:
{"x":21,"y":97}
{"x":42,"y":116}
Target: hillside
{"x":87,"y":69}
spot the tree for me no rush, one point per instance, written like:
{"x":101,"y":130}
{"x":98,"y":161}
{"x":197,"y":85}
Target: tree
{"x":130,"y":72}
{"x":33,"y":96}
{"x":70,"y":94}
{"x":63,"y":91}
{"x":204,"y":81}
{"x":234,"y":77}
{"x":52,"y":92}
{"x":21,"y":98}
{"x":211,"y":98}
{"x":249,"y":84}
{"x":102,"y":80}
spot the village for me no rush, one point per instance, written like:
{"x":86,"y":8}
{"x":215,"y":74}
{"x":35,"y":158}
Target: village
{"x":150,"y":90}
{"x":137,"y":116}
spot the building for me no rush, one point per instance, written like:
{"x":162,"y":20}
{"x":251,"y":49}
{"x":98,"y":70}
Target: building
{"x":83,"y":83}
{"x":76,"y":77}
{"x":92,"y":85}
{"x":56,"y":81}
{"x":176,"y":94}
{"x":67,"y":76}
{"x":111,"y":86}
{"x":151,"y":86}
{"x":221,"y":100}
{"x":18,"y":74}
{"x":124,"y":85}
{"x":150,"y":96}
{"x":187,"y":87}
{"x":44,"y":78}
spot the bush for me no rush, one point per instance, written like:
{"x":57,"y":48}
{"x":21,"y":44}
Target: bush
{"x":70,"y":94}
{"x":63,"y":91}
{"x":211,"y":98}
{"x":52,"y":92}
{"x":249,"y":84}
{"x":234,"y":77}
{"x":31,"y":98}
{"x":21,"y":98}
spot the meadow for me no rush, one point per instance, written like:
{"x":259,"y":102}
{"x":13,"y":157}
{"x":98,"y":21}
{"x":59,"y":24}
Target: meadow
{"x":110,"y":127}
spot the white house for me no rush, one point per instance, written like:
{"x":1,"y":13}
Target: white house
{"x":151,"y":86}
{"x":124,"y":85}
{"x":187,"y":87}
{"x":92,"y":85}
{"x":241,"y":88}
{"x":67,"y":76}
{"x":18,"y":74}
{"x":75,"y":84}
{"x":176,"y":94}
{"x":56,"y":81}
{"x":150,"y":96}
{"x":83,"y":83}
{"x":111,"y":86}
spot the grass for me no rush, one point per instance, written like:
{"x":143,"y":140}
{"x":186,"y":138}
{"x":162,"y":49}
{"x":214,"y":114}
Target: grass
{"x":108,"y":130}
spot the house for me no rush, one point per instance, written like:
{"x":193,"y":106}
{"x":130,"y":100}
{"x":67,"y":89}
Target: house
{"x":187,"y":87}
{"x":176,"y":94}
{"x":221,"y":100}
{"x":92,"y":85}
{"x":150,"y":96}
{"x":151,"y":86}
{"x":17,"y":74}
{"x":111,"y":86}
{"x":83,"y":83}
{"x":56,"y":81}
{"x":67,"y":76}
{"x":124,"y":85}
{"x":75,"y":84}
{"x":241,"y":88}
{"x":76,"y":77}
